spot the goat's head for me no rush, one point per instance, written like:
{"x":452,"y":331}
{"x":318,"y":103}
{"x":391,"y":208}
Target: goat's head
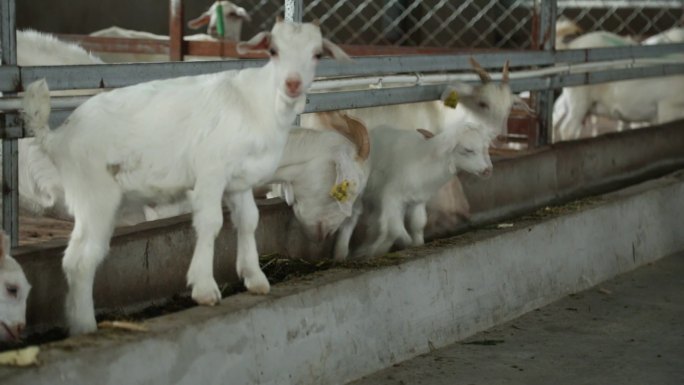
{"x":232,"y":16}
{"x":488,"y":104}
{"x":295,"y":50}
{"x":566,"y":31}
{"x":14,"y":291}
{"x":466,"y":148}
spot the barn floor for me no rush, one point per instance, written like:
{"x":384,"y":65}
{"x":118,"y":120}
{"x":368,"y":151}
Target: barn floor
{"x":624,"y":331}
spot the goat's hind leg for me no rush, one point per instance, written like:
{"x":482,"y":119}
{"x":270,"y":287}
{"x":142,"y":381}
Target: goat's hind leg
{"x":94,"y":216}
{"x":245,"y":217}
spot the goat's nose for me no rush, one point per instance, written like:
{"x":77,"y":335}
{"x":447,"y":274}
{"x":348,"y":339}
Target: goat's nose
{"x":293,"y":83}
{"x":486,"y":173}
{"x":20,"y":328}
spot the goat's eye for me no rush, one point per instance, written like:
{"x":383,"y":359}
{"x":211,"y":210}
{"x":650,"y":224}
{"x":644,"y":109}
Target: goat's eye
{"x":273,"y":52}
{"x":483,"y":105}
{"x":12,"y":290}
{"x":318,"y":56}
{"x":468,"y":151}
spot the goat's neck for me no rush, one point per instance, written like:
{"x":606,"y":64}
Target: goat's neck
{"x":259,"y":85}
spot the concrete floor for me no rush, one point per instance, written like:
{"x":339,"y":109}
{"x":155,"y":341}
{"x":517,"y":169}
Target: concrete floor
{"x":629,"y":330}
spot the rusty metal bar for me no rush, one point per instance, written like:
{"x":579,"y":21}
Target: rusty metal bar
{"x":176,"y":30}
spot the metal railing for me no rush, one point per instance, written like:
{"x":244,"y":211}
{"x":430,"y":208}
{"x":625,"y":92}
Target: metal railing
{"x":14,"y":78}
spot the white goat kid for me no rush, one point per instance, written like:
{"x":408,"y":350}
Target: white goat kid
{"x":14,"y":291}
{"x":406,"y":170}
{"x":226,"y":132}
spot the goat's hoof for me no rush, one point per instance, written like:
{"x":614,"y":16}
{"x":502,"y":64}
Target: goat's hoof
{"x":83,"y":326}
{"x":257,"y":283}
{"x":206,"y":293}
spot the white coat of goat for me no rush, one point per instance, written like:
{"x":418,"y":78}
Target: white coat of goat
{"x":225,"y":131}
{"x":14,"y":291}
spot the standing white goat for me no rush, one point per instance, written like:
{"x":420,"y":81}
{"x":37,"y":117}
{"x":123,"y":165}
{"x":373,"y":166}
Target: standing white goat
{"x":14,"y":291}
{"x":225,"y":131}
{"x":407,"y":168}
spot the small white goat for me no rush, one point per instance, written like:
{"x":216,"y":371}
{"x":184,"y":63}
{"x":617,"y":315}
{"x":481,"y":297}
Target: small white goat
{"x":225,"y":131}
{"x":407,"y":168}
{"x":233,"y":16}
{"x":14,"y":291}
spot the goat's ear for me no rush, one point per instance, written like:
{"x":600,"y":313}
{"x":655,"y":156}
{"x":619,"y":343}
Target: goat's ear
{"x":453,"y":92}
{"x":426,"y":134}
{"x":239,"y":13}
{"x":259,"y":43}
{"x":333,"y":50}
{"x":199,"y":22}
{"x":520,"y":104}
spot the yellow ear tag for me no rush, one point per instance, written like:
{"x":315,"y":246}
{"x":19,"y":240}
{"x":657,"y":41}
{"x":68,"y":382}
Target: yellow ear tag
{"x":451,"y":100}
{"x":340,"y":192}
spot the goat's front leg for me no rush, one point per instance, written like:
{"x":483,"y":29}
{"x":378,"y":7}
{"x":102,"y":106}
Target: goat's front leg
{"x":245,"y":217}
{"x":207,"y":218}
{"x":417,"y":218}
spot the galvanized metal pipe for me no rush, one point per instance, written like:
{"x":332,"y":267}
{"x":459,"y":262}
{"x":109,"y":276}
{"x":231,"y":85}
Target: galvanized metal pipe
{"x":10,"y":147}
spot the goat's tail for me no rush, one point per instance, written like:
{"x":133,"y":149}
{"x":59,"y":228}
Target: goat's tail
{"x":36,"y":106}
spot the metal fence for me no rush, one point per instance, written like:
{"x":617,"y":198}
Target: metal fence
{"x":470,"y":23}
{"x":541,"y":74}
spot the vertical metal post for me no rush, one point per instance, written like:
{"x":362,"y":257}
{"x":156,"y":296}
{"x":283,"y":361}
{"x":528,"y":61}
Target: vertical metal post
{"x":176,"y":29}
{"x":294,"y":10}
{"x":10,"y":148}
{"x":546,"y":36}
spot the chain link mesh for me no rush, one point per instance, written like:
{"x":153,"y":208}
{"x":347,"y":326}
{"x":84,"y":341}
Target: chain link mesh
{"x":466,"y":24}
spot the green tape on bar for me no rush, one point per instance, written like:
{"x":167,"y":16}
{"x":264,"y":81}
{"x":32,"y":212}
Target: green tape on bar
{"x":220,"y":28}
